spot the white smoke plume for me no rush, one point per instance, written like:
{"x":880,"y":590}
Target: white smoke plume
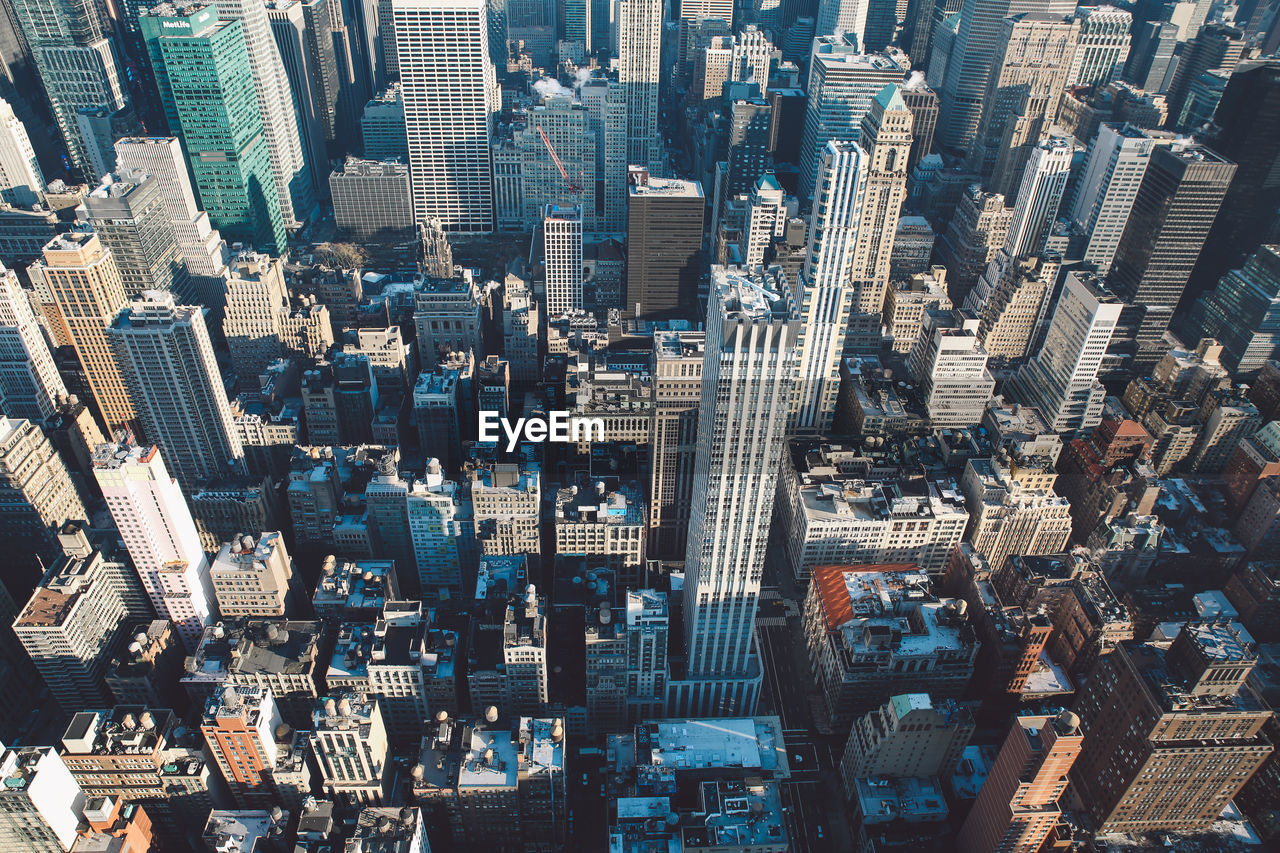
{"x":547,"y":86}
{"x":915,"y":80}
{"x":581,"y":76}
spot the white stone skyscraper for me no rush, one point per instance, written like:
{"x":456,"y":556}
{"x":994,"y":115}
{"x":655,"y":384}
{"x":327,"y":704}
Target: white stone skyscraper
{"x":21,"y":181}
{"x":29,"y":380}
{"x":160,"y":535}
{"x":766,"y":219}
{"x":843,"y":16}
{"x":1039,"y":195}
{"x":204,"y":253}
{"x":275,"y":101}
{"x":750,"y":353}
{"x":1103,"y":45}
{"x":837,"y":208}
{"x":964,"y":87}
{"x":167,"y":361}
{"x":450,"y":95}
{"x":1062,"y":379}
{"x":638,"y":38}
{"x":562,"y":253}
{"x":1109,"y":181}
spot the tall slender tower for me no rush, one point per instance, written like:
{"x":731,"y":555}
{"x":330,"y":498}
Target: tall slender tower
{"x":167,"y":359}
{"x":207,"y":87}
{"x":1175,"y":207}
{"x":128,"y":214}
{"x":750,"y":353}
{"x":1044,"y":180}
{"x":976,"y":45}
{"x":638,"y":41}
{"x":88,"y":291}
{"x":562,"y":252}
{"x":677,"y":383}
{"x":29,"y":380}
{"x":886,"y":139}
{"x":160,"y":535}
{"x":21,"y":181}
{"x":1113,"y":170}
{"x":71,"y":44}
{"x":275,"y":103}
{"x":450,"y":95}
{"x":843,"y":16}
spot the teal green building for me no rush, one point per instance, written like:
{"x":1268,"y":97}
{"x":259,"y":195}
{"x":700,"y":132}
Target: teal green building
{"x":203,"y":75}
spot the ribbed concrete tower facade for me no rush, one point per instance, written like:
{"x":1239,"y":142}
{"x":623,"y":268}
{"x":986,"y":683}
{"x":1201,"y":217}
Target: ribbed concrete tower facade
{"x":638,"y":40}
{"x":747,"y":371}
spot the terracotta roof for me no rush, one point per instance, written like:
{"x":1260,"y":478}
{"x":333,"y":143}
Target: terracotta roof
{"x":833,"y":594}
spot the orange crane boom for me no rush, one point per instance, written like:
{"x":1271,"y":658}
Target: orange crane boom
{"x":573,"y":188}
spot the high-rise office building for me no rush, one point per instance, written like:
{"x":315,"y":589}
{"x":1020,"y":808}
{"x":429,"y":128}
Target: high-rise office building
{"x":280,"y":119}
{"x":843,"y":16}
{"x":1033,"y":56}
{"x":908,"y":736}
{"x":731,"y":59}
{"x":449,"y":92}
{"x":751,"y":144}
{"x":1008,"y":302}
{"x":1243,"y":312}
{"x":842,"y":84}
{"x":526,"y":179}
{"x":1217,"y":47}
{"x":562,"y":254}
{"x":29,"y":381}
{"x":41,"y":808}
{"x":750,"y":352}
{"x":977,"y":231}
{"x":201,"y":246}
{"x":1103,"y":46}
{"x":167,"y":360}
{"x":1249,"y":118}
{"x":1104,"y":196}
{"x":160,"y":535}
{"x":886,"y":138}
{"x":21,"y":181}
{"x":923,"y":103}
{"x":1151,"y":62}
{"x":382,"y":126}
{"x":1061,"y":380}
{"x":298,"y":46}
{"x":767,"y":216}
{"x":1176,"y":204}
{"x":89,"y":293}
{"x":606,"y":102}
{"x":971,"y":62}
{"x":822,"y":311}
{"x":1044,"y":181}
{"x":207,"y":85}
{"x":127,"y":212}
{"x":1185,"y":720}
{"x":373,"y":200}
{"x":949,"y":364}
{"x":70,"y":628}
{"x":38,"y":489}
{"x":637,"y":44}
{"x":1018,"y":806}
{"x":239,"y":727}
{"x":441,"y":531}
{"x":73,"y":52}
{"x":664,"y":246}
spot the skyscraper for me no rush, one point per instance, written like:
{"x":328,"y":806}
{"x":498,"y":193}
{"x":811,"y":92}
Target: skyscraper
{"x":766,"y":219}
{"x":300,"y":57}
{"x":160,"y":535}
{"x":208,"y":89}
{"x":964,"y":87}
{"x":1018,"y":804}
{"x":71,"y":45}
{"x":1176,"y":204}
{"x":41,"y":497}
{"x":842,"y":84}
{"x":1044,"y":180}
{"x":638,"y":42}
{"x":562,"y":254}
{"x":1243,"y":312}
{"x":842,"y":16}
{"x":21,"y":181}
{"x":886,"y":139}
{"x":1033,"y":56}
{"x":750,"y":352}
{"x":1103,"y":46}
{"x":664,"y":245}
{"x":29,"y":381}
{"x":280,"y":119}
{"x":1113,"y":170}
{"x":167,"y":360}
{"x":449,"y":92}
{"x":41,"y":812}
{"x":1061,"y":380}
{"x":88,"y":292}
{"x":1188,"y":726}
{"x":203,"y":251}
{"x":127,"y":212}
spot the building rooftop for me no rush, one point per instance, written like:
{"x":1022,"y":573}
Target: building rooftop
{"x":386,"y":829}
{"x":889,"y":607}
{"x":599,"y":505}
{"x":914,"y":800}
{"x":123,"y":730}
{"x":241,"y":831}
{"x":696,"y":744}
{"x":271,"y":647}
{"x":56,"y":597}
{"x":364,"y":585}
{"x":735,"y":814}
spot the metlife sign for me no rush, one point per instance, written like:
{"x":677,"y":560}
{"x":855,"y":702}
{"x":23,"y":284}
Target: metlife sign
{"x":557,"y":427}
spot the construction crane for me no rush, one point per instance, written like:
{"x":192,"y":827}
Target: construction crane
{"x":573,"y":188}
